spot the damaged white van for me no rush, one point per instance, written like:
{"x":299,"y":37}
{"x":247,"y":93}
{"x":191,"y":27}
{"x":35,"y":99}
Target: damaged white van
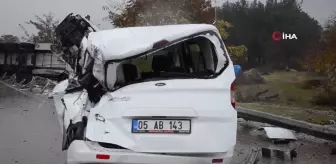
{"x":167,"y":98}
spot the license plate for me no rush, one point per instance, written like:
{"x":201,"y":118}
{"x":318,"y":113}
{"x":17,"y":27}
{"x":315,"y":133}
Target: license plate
{"x":161,"y":126}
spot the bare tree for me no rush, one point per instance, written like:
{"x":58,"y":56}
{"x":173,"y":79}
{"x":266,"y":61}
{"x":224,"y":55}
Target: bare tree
{"x":45,"y":26}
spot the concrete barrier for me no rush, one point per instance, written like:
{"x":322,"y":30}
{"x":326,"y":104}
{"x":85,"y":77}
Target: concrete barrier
{"x":318,"y":131}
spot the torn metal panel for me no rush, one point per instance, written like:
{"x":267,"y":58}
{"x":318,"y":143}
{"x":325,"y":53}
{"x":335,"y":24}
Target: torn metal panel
{"x":277,"y":133}
{"x":70,"y":107}
{"x":58,"y":93}
{"x":75,"y":102}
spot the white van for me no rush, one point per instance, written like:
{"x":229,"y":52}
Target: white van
{"x":169,"y":99}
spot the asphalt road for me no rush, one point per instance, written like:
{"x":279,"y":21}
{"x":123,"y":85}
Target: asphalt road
{"x":29,"y":131}
{"x":29,"y":134}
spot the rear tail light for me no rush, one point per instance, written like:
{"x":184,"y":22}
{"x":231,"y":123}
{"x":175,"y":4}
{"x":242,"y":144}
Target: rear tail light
{"x":233,"y":101}
{"x":103,"y":156}
{"x":217,"y":160}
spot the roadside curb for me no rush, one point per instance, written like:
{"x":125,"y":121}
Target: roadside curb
{"x":318,"y":131}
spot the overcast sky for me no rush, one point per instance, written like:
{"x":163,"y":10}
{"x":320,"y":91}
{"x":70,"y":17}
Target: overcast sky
{"x":14,"y":12}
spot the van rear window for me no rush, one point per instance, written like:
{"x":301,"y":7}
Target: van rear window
{"x":194,"y":58}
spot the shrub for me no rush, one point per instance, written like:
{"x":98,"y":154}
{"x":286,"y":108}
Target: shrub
{"x":325,"y":98}
{"x":311,"y":83}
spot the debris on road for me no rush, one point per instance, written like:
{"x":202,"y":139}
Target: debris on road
{"x":283,"y":152}
{"x":37,"y":85}
{"x":253,"y":157}
{"x":243,"y":155}
{"x":279,"y":134}
{"x":282,"y":145}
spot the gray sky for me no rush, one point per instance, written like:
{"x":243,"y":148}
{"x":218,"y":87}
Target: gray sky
{"x":14,"y":12}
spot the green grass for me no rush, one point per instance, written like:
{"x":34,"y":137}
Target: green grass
{"x":294,"y":101}
{"x":287,"y":84}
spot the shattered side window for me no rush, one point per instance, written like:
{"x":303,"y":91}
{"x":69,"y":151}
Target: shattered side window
{"x":194,"y":58}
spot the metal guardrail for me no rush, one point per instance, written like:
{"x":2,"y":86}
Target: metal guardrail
{"x":318,"y":131}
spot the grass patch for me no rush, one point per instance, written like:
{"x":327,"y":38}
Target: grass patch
{"x":294,"y":101}
{"x":288,"y":85}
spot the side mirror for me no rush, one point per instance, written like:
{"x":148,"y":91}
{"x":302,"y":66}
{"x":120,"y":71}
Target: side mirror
{"x":237,"y":69}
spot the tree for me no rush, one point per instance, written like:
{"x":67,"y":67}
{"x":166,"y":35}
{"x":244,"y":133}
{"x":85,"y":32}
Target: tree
{"x":160,"y":12}
{"x":238,"y":53}
{"x":325,"y":61}
{"x":45,"y":26}
{"x":255,"y":22}
{"x":165,"y":12}
{"x":9,"y":38}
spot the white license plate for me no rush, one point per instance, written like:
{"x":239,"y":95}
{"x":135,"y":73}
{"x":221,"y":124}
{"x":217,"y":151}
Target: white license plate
{"x":161,"y":126}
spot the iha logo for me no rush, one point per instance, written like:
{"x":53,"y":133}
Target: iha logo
{"x":277,"y":36}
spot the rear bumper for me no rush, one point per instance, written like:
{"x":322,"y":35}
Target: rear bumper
{"x":83,"y":152}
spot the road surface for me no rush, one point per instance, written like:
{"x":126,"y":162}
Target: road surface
{"x":29,"y":134}
{"x":29,"y":131}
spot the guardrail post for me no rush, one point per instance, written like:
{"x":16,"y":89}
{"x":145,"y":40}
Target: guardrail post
{"x":32,"y":84}
{"x":11,"y":79}
{"x":45,"y":87}
{"x":21,"y":83}
{"x":14,"y":79}
{"x":28,"y":84}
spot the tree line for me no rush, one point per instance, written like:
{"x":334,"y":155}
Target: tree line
{"x":246,"y":27}
{"x":255,"y":22}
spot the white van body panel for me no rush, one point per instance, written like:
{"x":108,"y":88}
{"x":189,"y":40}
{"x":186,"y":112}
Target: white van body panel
{"x":205,"y":102}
